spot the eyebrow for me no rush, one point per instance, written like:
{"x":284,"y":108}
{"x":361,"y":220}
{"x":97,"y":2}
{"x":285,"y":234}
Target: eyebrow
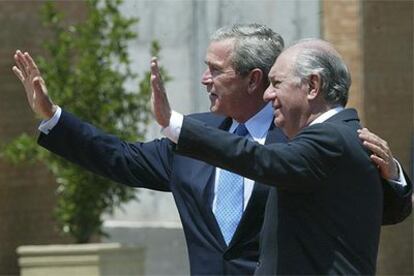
{"x":209,"y":63}
{"x":274,"y":80}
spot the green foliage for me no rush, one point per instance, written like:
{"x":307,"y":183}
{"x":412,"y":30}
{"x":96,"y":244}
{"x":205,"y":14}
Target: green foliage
{"x":86,"y":70}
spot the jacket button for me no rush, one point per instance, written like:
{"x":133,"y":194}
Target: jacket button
{"x":258,"y":264}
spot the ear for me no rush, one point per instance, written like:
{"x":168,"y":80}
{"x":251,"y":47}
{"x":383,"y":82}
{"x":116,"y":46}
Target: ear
{"x":255,"y":78}
{"x":315,"y":83}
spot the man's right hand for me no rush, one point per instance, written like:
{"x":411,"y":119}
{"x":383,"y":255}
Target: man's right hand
{"x":28,"y":73}
{"x":159,"y":100}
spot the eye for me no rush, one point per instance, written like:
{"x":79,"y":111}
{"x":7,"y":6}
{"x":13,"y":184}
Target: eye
{"x":276,"y":83}
{"x":215,"y":71}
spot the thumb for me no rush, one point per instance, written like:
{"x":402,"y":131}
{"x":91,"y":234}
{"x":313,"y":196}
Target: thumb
{"x":39,"y":86}
{"x":42,"y":104}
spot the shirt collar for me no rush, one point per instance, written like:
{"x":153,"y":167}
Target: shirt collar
{"x":328,"y":114}
{"x":258,"y":125}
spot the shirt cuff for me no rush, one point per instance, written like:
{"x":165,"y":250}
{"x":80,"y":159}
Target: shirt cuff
{"x":173,"y":130}
{"x":47,"y":125}
{"x":401,"y":179}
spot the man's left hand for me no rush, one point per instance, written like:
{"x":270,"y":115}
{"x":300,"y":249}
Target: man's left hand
{"x":382,"y":155}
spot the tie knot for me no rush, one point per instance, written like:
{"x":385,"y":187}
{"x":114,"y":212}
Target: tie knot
{"x":241,"y":130}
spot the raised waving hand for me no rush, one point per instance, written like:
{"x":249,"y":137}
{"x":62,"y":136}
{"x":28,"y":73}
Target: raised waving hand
{"x":36,"y":92}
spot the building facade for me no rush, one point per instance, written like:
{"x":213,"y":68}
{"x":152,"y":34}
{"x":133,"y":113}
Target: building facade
{"x":375,"y":38}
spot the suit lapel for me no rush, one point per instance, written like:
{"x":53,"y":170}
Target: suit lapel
{"x":206,"y":187}
{"x":205,"y":175}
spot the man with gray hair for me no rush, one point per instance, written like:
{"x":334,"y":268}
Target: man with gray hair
{"x":221,"y":225}
{"x":326,"y":216}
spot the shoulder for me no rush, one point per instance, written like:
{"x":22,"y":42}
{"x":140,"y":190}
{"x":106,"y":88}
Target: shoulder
{"x":323,"y":135}
{"x":341,"y":135}
{"x":208,"y":118}
{"x":320,"y":130}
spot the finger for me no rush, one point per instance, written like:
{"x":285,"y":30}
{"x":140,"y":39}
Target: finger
{"x":374,"y":139}
{"x":20,"y":64}
{"x":22,"y":59}
{"x":157,"y":85}
{"x":383,"y":167}
{"x":381,"y":164}
{"x":30,"y":62}
{"x":155,"y":70}
{"x":376,"y":150}
{"x":39,"y":86}
{"x":18,"y":73}
{"x":154,"y":65}
{"x":157,"y":92}
{"x":366,"y":135}
{"x":372,"y":136}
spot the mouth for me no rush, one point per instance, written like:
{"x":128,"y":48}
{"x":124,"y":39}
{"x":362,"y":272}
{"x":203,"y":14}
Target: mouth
{"x":275,"y":109}
{"x":212,"y":96}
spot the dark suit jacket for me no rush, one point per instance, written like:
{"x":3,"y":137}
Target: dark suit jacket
{"x":154,"y":165}
{"x":327,"y":215}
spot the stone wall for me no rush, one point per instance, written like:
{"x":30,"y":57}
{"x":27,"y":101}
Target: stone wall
{"x":376,"y":40}
{"x":27,"y":195}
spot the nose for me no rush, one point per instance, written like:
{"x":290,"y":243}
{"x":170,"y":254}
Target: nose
{"x":206,"y":78}
{"x":269,"y":94}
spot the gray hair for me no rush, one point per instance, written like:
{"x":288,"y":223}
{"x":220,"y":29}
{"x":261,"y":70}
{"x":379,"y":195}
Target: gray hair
{"x":255,"y":46}
{"x":319,"y":57}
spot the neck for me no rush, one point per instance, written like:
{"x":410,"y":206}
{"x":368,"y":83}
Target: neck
{"x":318,"y":112}
{"x":249,"y":112}
{"x":251,"y":104}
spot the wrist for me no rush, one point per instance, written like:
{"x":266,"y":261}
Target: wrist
{"x":395,"y":175}
{"x":167,"y":120}
{"x":50,"y":112}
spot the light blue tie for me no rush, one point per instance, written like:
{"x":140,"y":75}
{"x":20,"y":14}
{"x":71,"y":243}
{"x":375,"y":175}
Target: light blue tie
{"x":230,"y":197}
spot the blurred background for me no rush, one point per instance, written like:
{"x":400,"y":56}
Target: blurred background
{"x":375,"y":38}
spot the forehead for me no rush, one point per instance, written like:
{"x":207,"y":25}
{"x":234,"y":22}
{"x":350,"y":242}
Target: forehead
{"x":219,"y":52}
{"x":283,"y":65}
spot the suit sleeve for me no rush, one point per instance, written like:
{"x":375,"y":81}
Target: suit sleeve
{"x":397,"y":202}
{"x":300,"y":165}
{"x":145,"y":165}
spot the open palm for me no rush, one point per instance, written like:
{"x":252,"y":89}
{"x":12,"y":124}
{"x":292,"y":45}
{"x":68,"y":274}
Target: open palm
{"x":160,"y":105}
{"x":36,"y":92}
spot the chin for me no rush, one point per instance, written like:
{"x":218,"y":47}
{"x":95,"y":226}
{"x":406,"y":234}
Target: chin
{"x":278,"y":122}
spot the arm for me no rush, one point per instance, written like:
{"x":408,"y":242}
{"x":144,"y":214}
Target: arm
{"x":301,"y":165}
{"x":397,"y":204}
{"x":134,"y":164}
{"x":139,"y":164}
